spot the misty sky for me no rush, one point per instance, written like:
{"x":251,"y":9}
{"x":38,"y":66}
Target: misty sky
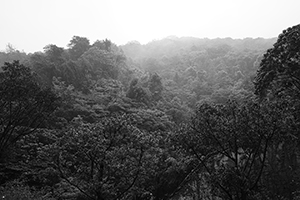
{"x":30,"y":25}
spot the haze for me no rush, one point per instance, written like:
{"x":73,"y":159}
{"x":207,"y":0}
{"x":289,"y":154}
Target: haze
{"x":30,"y":25}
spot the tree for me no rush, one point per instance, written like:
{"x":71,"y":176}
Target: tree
{"x":24,"y":104}
{"x":11,"y":53}
{"x":137,"y":92}
{"x":100,"y":63}
{"x":103,"y":45}
{"x":54,"y":53}
{"x":155,"y":86}
{"x":279,"y":69}
{"x":78,"y":45}
{"x":104,"y":160}
{"x":282,"y":175}
{"x":42,"y":66}
{"x":231,"y":143}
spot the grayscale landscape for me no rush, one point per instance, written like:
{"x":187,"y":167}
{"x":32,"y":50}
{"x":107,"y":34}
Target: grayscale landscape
{"x":149,"y":100}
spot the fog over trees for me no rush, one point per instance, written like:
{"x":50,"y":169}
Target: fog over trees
{"x":180,"y":118}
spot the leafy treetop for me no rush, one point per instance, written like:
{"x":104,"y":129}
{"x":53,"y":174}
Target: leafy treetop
{"x":280,"y":67}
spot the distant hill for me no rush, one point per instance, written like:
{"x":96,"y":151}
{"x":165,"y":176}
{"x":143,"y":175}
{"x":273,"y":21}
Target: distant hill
{"x":173,"y":45}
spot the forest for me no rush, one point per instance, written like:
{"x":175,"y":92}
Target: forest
{"x":174,"y":119}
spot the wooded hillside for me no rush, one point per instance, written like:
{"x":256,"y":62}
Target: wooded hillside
{"x":177,"y":118}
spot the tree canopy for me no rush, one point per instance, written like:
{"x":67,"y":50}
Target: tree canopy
{"x":279,"y":69}
{"x":24,"y":104}
{"x":174,"y":119}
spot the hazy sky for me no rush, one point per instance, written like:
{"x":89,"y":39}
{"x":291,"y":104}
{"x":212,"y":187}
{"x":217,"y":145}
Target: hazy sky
{"x":30,"y":25}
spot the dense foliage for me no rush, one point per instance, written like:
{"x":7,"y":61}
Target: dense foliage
{"x":24,"y":104}
{"x":177,"y":118}
{"x":279,"y":70}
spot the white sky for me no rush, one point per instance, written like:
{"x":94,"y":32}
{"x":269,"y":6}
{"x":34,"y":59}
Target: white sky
{"x":30,"y":25}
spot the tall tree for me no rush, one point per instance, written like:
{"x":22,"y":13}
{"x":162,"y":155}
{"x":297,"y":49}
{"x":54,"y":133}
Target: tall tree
{"x":78,"y":45}
{"x":100,"y":63}
{"x":43,"y":67}
{"x":231,"y":144}
{"x":24,"y":104}
{"x":54,"y":53}
{"x":155,"y":86}
{"x":103,"y":160}
{"x":137,"y":92}
{"x":279,"y":69}
{"x":103,"y":45}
